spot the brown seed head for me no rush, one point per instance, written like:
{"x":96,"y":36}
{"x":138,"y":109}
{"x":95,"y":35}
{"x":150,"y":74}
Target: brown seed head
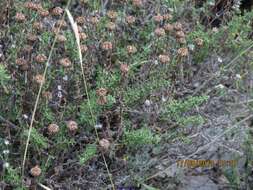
{"x":180,"y":34}
{"x":61,"y":38}
{"x":107,"y":45}
{"x":52,"y":129}
{"x":20,"y":17}
{"x":41,"y":58}
{"x":65,"y":62}
{"x":130,"y":19}
{"x":94,"y":20}
{"x":32,"y":37}
{"x":168,"y":27}
{"x":199,"y":41}
{"x":57,"y":11}
{"x":38,"y":26}
{"x":80,"y":20}
{"x":112,"y":14}
{"x":82,"y":36}
{"x":102,"y":100}
{"x":61,"y":23}
{"x":72,"y":126}
{"x":124,"y":68}
{"x":160,"y":32}
{"x":164,"y":58}
{"x":182,"y":52}
{"x":178,"y":26}
{"x":111,"y":26}
{"x":39,"y":79}
{"x":32,"y":6}
{"x":167,"y":17}
{"x":104,"y":144}
{"x":48,"y":95}
{"x":35,"y":171}
{"x":158,"y":18}
{"x":181,"y":40}
{"x":101,"y":92}
{"x":131,"y":49}
{"x":43,"y":12}
{"x":21,"y":61}
{"x":137,"y":3}
{"x":84,"y":48}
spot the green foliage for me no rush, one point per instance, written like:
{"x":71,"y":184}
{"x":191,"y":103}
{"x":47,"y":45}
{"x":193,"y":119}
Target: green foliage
{"x":174,"y":109}
{"x":13,"y":177}
{"x":89,"y":153}
{"x":143,"y":136}
{"x":36,"y":139}
{"x":4,"y":76}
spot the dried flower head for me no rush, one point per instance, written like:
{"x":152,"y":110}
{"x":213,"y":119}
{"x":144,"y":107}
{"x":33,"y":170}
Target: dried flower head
{"x":57,"y":11}
{"x":41,"y":58}
{"x":111,"y":26}
{"x":52,"y":129}
{"x":20,"y":17}
{"x":38,"y":26}
{"x":82,"y":36}
{"x":130,"y":19}
{"x":167,"y":16}
{"x":107,"y":45}
{"x":43,"y":12}
{"x":137,"y":3}
{"x":84,"y":48}
{"x":102,"y":100}
{"x":104,"y":144}
{"x":112,"y":14}
{"x":101,"y":92}
{"x":39,"y":79}
{"x":164,"y":58}
{"x":61,"y":38}
{"x":181,"y":40}
{"x":124,"y":68}
{"x":168,"y":27}
{"x":131,"y":49}
{"x":160,"y":32}
{"x":72,"y":126}
{"x":48,"y":95}
{"x":80,"y":20}
{"x":32,"y":6}
{"x":61,"y":23}
{"x":21,"y":61}
{"x":180,"y":34}
{"x":32,"y":37}
{"x":94,"y":20}
{"x":199,"y":41}
{"x":158,"y":18}
{"x":35,"y":171}
{"x":183,"y":52}
{"x":65,"y":62}
{"x":178,"y":26}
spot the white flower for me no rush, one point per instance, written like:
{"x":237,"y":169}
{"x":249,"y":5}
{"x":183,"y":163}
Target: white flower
{"x":6,"y":142}
{"x":191,"y":47}
{"x":25,"y":116}
{"x":59,"y":94}
{"x":6,"y":151}
{"x":147,"y":103}
{"x":238,"y":76}
{"x":98,"y":126}
{"x":219,"y":59}
{"x":6,"y":165}
{"x":65,"y":77}
{"x":220,"y":86}
{"x":164,"y":99}
{"x":156,"y":62}
{"x":59,"y":87}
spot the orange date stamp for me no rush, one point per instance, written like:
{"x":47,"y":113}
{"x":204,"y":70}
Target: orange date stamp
{"x":206,"y":163}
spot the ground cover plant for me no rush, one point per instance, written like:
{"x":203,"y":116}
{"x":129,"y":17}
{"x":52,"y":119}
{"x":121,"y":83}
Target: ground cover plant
{"x":103,"y":94}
